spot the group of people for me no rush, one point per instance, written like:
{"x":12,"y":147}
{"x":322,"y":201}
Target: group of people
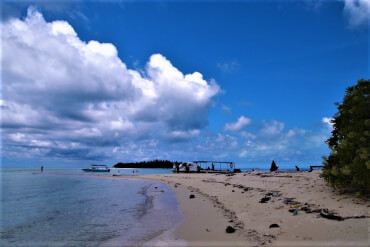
{"x":187,"y":168}
{"x":213,"y":167}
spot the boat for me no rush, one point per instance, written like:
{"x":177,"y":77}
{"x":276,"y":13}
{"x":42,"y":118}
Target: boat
{"x":97,"y":168}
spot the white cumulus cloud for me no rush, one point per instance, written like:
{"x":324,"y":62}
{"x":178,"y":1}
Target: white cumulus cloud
{"x":78,"y":97}
{"x":240,"y":124}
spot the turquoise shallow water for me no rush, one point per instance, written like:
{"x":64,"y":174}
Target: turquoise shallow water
{"x":65,"y":207}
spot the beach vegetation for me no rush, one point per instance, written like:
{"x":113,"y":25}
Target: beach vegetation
{"x":146,"y":164}
{"x":348,"y":164}
{"x":273,"y":166}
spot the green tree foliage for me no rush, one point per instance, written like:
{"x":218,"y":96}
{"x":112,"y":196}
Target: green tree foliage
{"x":348,"y":163}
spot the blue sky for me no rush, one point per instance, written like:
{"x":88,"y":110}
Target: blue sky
{"x":246,"y":81}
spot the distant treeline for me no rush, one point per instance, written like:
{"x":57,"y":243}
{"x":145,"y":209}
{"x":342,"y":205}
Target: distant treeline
{"x":146,"y":164}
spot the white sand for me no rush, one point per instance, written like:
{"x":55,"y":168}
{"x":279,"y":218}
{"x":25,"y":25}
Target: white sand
{"x":215,"y":204}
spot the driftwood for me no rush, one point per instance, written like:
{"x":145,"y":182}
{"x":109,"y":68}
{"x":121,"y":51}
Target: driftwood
{"x":356,"y":217}
{"x":325,"y":213}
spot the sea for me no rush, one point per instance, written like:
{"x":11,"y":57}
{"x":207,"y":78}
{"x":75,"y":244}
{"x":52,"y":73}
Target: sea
{"x":69,"y":207}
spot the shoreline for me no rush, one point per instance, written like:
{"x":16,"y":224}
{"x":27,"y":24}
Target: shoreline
{"x":206,"y":219}
{"x":203,"y":223}
{"x":238,"y":197}
{"x":161,"y":196}
{"x":157,"y":220}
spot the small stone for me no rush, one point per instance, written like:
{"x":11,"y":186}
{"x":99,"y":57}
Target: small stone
{"x":274,"y":226}
{"x":155,"y":187}
{"x":192,"y":196}
{"x":233,"y":191}
{"x":230,"y":229}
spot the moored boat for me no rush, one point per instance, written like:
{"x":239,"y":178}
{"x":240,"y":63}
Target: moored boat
{"x":96,"y":168}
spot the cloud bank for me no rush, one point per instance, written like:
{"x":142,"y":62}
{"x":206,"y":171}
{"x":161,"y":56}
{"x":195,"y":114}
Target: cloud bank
{"x":65,"y":97}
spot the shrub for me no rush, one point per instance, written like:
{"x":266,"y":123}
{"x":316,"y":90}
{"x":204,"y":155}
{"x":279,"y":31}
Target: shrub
{"x":348,"y":163}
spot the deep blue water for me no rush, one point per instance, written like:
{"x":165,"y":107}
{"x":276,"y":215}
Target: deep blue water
{"x":66,"y":207}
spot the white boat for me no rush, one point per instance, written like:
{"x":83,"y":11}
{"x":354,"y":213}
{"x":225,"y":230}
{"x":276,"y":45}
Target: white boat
{"x":97,"y":168}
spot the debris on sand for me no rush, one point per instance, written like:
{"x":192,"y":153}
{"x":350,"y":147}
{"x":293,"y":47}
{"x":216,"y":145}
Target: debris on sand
{"x":274,"y":226}
{"x":230,"y":229}
{"x":265,"y":199}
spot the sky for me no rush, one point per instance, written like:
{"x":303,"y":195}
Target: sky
{"x":120,"y":81}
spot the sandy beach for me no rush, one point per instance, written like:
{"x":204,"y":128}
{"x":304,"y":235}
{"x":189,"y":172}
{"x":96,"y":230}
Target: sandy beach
{"x":272,"y":209}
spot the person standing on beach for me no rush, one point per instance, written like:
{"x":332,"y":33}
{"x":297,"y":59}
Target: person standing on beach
{"x":42,"y":168}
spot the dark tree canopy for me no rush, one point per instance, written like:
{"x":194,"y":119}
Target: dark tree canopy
{"x":273,"y":166}
{"x":348,"y":163}
{"x":146,"y":164}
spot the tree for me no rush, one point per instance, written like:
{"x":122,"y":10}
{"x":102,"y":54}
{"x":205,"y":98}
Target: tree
{"x":273,"y":166}
{"x":348,"y":163}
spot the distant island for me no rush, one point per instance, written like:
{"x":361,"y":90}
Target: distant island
{"x":146,"y":164}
